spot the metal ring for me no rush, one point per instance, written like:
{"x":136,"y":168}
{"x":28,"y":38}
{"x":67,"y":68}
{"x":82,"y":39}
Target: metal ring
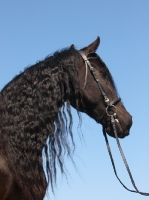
{"x":112,"y":110}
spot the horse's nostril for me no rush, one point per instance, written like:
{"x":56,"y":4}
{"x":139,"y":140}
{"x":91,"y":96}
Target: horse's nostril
{"x":130,"y":122}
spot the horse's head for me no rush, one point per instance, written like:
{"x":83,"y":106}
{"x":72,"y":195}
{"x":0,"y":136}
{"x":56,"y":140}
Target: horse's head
{"x":94,"y":103}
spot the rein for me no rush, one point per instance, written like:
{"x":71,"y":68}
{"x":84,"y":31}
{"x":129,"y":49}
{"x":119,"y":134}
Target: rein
{"x":113,"y":118}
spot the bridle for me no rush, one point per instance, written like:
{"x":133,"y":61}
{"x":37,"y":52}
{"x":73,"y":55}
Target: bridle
{"x":113,"y":119}
{"x":106,"y":99}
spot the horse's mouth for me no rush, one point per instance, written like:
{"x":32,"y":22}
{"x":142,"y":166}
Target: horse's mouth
{"x":121,"y":131}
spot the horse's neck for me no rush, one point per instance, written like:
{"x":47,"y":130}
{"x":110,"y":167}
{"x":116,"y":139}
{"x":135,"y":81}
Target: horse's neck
{"x":45,"y":84}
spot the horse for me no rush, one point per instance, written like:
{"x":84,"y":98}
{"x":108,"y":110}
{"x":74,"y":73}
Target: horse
{"x":36,"y":119}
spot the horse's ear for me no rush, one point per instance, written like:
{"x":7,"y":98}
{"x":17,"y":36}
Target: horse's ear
{"x":72,"y":46}
{"x":91,"y":48}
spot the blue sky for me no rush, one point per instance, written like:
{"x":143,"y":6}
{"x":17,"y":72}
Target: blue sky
{"x":30,"y":30}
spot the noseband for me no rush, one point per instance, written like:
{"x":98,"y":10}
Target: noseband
{"x":113,"y":118}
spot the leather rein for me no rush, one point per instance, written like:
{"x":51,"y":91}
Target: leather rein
{"x":113,"y":119}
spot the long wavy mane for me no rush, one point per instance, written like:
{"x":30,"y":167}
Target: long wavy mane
{"x":35,"y":121}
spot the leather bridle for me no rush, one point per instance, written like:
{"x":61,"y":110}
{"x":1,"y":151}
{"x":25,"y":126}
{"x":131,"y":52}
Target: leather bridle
{"x":100,"y":86}
{"x":113,"y":119}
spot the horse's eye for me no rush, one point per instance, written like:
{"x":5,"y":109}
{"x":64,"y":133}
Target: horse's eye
{"x":104,"y":74}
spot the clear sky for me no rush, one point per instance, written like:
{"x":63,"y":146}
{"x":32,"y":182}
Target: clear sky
{"x":31,"y":29}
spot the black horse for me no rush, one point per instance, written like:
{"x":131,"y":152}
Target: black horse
{"x":35,"y":118}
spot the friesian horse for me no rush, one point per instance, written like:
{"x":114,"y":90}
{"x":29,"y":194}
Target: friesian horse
{"x":36,"y":119}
